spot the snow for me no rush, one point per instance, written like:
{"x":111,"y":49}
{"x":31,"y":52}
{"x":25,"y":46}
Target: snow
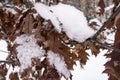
{"x":75,"y":25}
{"x":93,"y":68}
{"x":109,"y":37}
{"x":73,"y":21}
{"x":35,"y":15}
{"x":59,"y":63}
{"x":109,"y":7}
{"x":27,"y":50}
{"x":3,"y":50}
{"x":33,"y":1}
{"x":95,"y":20}
{"x":45,"y":12}
{"x":1,"y":4}
{"x":11,"y":70}
{"x":97,"y":9}
{"x":10,"y":10}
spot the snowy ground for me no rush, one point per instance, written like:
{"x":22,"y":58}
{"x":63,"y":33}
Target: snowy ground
{"x":92,"y":70}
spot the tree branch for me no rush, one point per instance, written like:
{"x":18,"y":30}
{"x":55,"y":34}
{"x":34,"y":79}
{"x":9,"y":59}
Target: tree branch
{"x":106,"y":45}
{"x":107,"y":22}
{"x":94,"y":38}
{"x":4,"y":51}
{"x":6,"y":62}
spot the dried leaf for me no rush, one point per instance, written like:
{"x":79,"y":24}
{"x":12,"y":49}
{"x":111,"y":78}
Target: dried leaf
{"x":3,"y":70}
{"x":116,"y":2}
{"x":112,"y":78}
{"x":94,"y":25}
{"x":18,"y":2}
{"x":38,"y":0}
{"x":101,"y":4}
{"x":112,"y":66}
{"x":14,"y":76}
{"x":117,"y":20}
{"x":8,"y":21}
{"x":50,"y":74}
{"x":28,"y":24}
{"x":1,"y":35}
{"x":109,"y":64}
{"x":110,"y":25}
{"x":81,"y":54}
{"x":117,"y":35}
{"x":83,"y":57}
{"x":94,"y":49}
{"x":60,"y":49}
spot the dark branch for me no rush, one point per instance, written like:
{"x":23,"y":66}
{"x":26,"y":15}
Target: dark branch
{"x":6,"y":62}
{"x":106,"y":45}
{"x":94,"y":38}
{"x":4,"y":51}
{"x":107,"y":22}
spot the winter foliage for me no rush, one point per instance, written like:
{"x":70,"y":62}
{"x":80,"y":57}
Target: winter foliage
{"x":27,"y":50}
{"x":62,"y":17}
{"x":59,"y":63}
{"x":46,"y":38}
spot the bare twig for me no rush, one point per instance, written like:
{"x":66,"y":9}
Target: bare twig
{"x":6,"y":62}
{"x":107,"y":22}
{"x":106,"y":45}
{"x":94,"y":38}
{"x":4,"y":51}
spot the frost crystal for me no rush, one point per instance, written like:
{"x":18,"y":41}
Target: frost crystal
{"x":59,"y":63}
{"x":27,"y":50}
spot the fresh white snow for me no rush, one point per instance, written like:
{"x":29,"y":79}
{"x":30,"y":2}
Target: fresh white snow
{"x":45,"y":12}
{"x":59,"y":63}
{"x":75,"y":25}
{"x":3,"y":50}
{"x":12,"y":70}
{"x":10,"y":10}
{"x":73,"y":21}
{"x":27,"y":50}
{"x":1,"y":4}
{"x":109,"y":7}
{"x":93,"y":68}
{"x":95,"y":20}
{"x":109,"y":37}
{"x":97,"y":9}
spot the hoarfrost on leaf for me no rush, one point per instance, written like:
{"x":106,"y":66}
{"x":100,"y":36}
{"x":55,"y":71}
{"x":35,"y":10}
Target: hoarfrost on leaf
{"x":27,"y":50}
{"x":59,"y":63}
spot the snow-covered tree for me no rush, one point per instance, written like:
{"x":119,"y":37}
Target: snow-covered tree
{"x":46,"y":37}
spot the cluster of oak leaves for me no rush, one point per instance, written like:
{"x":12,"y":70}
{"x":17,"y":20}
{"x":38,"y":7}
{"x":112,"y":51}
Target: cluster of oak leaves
{"x":23,"y":22}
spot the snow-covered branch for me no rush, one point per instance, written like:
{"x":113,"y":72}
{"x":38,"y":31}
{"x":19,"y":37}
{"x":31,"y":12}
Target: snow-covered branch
{"x":106,"y":23}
